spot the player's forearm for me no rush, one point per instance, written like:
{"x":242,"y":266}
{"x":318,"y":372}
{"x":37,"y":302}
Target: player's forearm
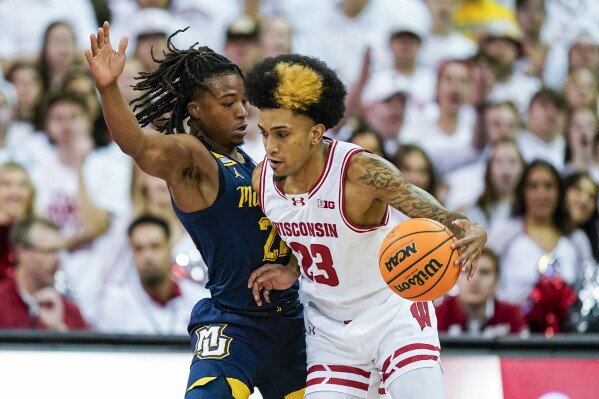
{"x":121,"y":121}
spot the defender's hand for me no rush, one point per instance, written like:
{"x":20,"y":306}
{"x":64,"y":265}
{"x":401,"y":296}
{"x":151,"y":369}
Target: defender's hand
{"x":271,"y":277}
{"x":105,"y":63}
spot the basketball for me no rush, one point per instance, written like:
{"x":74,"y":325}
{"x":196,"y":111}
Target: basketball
{"x":416,"y":259}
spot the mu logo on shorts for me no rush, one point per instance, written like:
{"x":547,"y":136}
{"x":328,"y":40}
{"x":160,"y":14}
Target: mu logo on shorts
{"x":211,"y":343}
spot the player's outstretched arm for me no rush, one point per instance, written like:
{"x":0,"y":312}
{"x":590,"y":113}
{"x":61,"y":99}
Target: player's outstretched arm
{"x":153,"y":152}
{"x":379,"y":180}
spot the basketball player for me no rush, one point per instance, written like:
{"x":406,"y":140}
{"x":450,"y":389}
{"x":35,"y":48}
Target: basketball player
{"x":237,"y":345}
{"x":332,"y":203}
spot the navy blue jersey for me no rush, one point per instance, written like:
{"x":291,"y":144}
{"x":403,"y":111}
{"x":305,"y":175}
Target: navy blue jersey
{"x":235,"y":238}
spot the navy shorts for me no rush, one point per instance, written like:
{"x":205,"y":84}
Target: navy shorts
{"x":264,"y":352}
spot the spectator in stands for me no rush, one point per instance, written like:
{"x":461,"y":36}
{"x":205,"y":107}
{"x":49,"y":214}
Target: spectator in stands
{"x":581,"y":90}
{"x":16,"y":203}
{"x":405,"y":42}
{"x":149,"y":28}
{"x":59,"y":53}
{"x":543,"y":137}
{"x":27,"y":81}
{"x":581,"y":134}
{"x":531,"y":17}
{"x":7,"y":110}
{"x":23,"y":24}
{"x":366,"y":137}
{"x":503,"y":43}
{"x":584,"y":50}
{"x":503,"y":171}
{"x":242,"y":44}
{"x":384,"y":101}
{"x":474,"y":18}
{"x":581,"y":198}
{"x":475,"y":310}
{"x":417,"y":168}
{"x":30,"y":300}
{"x":444,"y":41}
{"x":499,"y":122}
{"x":538,"y":240}
{"x":155,"y":302}
{"x":79,"y":80}
{"x":447,"y":125}
{"x":80,"y":188}
{"x":126,"y":81}
{"x":275,"y":36}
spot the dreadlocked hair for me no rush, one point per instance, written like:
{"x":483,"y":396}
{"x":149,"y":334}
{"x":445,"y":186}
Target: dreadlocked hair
{"x":180,"y":76}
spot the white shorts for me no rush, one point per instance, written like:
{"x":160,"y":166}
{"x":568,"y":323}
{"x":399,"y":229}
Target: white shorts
{"x":383,"y":343}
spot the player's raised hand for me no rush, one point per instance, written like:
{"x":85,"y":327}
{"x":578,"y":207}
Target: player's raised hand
{"x":105,"y":63}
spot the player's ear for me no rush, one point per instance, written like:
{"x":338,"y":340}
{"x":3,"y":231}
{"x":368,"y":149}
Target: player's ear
{"x":317,"y":132}
{"x":194,"y":110}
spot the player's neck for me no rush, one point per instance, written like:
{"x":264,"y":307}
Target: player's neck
{"x":228,"y":151}
{"x":308,"y":175}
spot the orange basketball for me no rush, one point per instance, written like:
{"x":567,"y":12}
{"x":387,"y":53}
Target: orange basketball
{"x":416,"y":259}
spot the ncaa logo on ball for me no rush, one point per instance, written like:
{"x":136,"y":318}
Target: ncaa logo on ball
{"x":401,"y":255}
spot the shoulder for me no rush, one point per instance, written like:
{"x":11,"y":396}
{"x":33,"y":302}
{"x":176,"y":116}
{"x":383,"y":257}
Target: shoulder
{"x":257,"y":175}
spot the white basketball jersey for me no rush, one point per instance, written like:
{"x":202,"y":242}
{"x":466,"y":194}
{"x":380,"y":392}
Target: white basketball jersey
{"x":338,"y":261}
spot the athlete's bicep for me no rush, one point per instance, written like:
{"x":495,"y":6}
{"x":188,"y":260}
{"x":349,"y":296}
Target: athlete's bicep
{"x":166,"y":156}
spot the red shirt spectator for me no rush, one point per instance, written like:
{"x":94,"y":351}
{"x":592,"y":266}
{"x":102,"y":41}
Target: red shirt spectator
{"x":6,"y":263}
{"x":501,"y":319}
{"x":29,"y":300}
{"x":16,"y":313}
{"x":475,"y":310}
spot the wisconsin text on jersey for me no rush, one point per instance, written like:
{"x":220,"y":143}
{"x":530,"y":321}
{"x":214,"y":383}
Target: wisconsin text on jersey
{"x":306,"y":229}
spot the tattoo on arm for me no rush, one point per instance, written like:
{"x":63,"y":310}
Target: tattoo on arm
{"x":404,"y":196}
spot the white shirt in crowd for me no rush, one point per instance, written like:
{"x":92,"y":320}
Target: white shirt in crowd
{"x":129,"y":309}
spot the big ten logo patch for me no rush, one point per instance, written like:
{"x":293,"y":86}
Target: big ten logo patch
{"x":211,"y":342}
{"x":247,"y":197}
{"x":325,"y":204}
{"x":421,"y":313}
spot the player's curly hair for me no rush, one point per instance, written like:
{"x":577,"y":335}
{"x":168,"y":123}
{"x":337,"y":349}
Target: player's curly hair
{"x":303,"y":84}
{"x":181,"y":75}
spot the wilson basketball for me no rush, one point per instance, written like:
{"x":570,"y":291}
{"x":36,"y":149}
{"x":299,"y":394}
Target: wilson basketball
{"x":416,"y":259}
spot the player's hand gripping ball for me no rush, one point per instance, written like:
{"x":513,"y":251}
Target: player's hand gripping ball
{"x":416,"y":259}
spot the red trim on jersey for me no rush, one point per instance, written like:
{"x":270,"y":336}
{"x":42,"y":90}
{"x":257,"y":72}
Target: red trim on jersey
{"x":339,"y":369}
{"x":262,"y":183}
{"x":348,"y":223}
{"x":327,"y":167}
{"x":338,"y":381}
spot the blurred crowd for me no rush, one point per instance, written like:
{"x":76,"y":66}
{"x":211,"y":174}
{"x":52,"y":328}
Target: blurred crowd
{"x":489,"y":105}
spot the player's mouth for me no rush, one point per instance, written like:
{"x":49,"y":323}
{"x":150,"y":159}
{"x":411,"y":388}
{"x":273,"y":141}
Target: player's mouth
{"x":275,"y":164}
{"x":241,"y":129}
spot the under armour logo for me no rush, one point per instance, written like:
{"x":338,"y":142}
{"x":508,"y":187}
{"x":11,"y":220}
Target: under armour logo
{"x":298,"y":201}
{"x":237,"y":174}
{"x":312,"y":330}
